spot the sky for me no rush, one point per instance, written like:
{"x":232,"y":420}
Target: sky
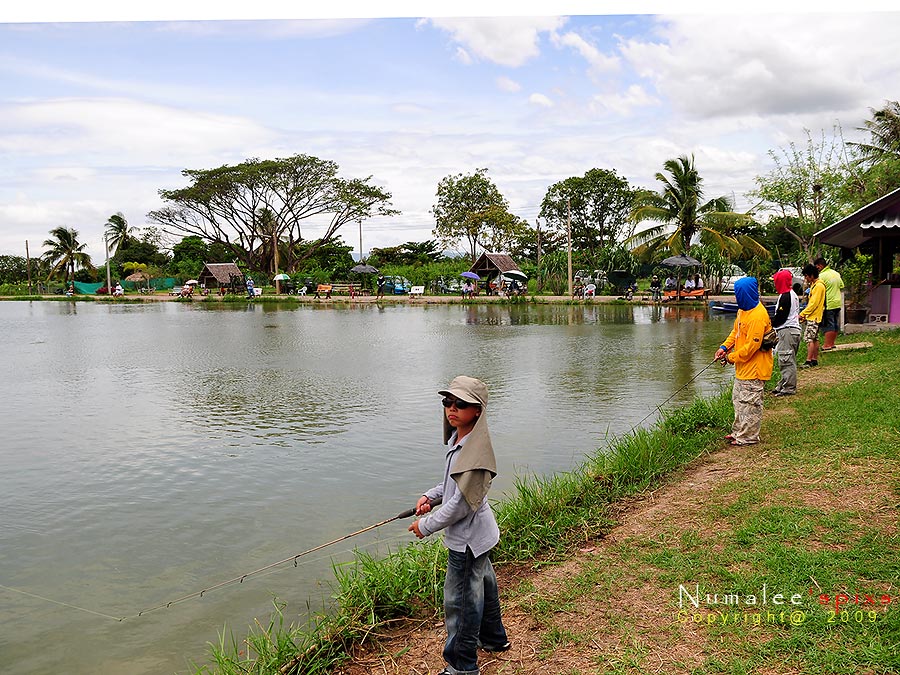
{"x":103,"y":105}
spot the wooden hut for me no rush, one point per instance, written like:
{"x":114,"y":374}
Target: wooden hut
{"x":222,"y":275}
{"x":492,"y":264}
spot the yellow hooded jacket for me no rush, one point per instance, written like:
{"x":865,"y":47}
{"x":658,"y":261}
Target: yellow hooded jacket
{"x":750,"y":362}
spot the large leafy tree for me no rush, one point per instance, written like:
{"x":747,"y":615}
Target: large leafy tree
{"x":681,"y":214}
{"x":598,"y":203}
{"x":874,"y":166}
{"x":118,"y":231}
{"x":13,"y":269}
{"x":229,"y":206}
{"x":145,"y":249}
{"x":805,"y":191}
{"x":884,"y":134}
{"x":64,"y":253}
{"x":410,"y":253}
{"x":470,"y":208}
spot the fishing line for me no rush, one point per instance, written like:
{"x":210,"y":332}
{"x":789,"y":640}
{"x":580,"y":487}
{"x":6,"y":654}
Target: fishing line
{"x":63,"y":604}
{"x":238,"y":579}
{"x":678,"y":391}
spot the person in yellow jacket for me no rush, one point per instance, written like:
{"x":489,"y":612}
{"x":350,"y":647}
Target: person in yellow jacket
{"x":752,"y":365}
{"x":812,"y":314}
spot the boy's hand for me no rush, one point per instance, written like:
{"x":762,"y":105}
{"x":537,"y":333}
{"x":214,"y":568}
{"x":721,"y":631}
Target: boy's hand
{"x":414,"y":528}
{"x":423,"y":505}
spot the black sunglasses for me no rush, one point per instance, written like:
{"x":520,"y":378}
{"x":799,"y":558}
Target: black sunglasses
{"x":458,"y":402}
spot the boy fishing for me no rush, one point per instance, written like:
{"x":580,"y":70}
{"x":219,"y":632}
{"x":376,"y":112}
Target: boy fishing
{"x":471,"y":599}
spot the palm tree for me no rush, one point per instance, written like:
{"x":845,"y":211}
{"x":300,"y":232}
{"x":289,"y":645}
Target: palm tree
{"x":117,"y":231}
{"x":680,"y":205}
{"x":64,"y":252}
{"x":884,"y":133}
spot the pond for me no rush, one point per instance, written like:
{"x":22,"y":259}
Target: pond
{"x":153,"y":450}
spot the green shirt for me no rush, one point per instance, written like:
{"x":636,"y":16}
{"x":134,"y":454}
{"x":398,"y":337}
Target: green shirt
{"x":833,"y":285}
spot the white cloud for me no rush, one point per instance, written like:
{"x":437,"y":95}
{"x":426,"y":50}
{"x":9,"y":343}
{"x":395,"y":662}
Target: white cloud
{"x":463,"y":57}
{"x":599,"y":64}
{"x":275,"y":30}
{"x":506,"y":84}
{"x":774,"y":65}
{"x":118,"y":130}
{"x":633,"y":97}
{"x":541,"y":100}
{"x":508,"y":41}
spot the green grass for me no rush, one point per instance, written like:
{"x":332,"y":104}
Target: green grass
{"x":754,"y":530}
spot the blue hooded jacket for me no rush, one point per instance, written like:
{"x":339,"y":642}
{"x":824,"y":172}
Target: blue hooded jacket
{"x":746,"y":292}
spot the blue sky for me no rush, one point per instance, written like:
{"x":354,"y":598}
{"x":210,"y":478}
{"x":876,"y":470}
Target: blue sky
{"x":96,"y":117}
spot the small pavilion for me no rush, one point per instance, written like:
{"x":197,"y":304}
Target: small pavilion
{"x":492,"y":264}
{"x":218,"y":275}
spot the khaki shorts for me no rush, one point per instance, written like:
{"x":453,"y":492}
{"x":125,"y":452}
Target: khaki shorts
{"x":811,"y":333}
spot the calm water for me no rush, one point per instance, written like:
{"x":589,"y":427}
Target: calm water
{"x":150,"y":451}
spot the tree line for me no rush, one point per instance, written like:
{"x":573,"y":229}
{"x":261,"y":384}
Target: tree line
{"x":256,"y":212}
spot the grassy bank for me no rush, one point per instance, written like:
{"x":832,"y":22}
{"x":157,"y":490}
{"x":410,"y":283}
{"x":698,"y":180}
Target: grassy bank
{"x":543,"y":522}
{"x":810,"y":516}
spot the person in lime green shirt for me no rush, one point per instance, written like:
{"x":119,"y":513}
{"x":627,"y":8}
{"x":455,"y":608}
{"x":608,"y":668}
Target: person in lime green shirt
{"x":831,"y":319}
{"x":812,"y":314}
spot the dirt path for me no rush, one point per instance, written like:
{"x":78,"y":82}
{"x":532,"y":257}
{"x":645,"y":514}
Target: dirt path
{"x":622,"y":615}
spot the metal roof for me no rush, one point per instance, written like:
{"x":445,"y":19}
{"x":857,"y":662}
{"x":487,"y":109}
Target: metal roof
{"x":877,"y":219}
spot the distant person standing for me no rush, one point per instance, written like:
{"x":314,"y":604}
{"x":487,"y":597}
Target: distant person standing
{"x":812,"y":314}
{"x":381,"y":282}
{"x":786,"y":323}
{"x":251,"y":291}
{"x":752,"y":365}
{"x":655,"y":288}
{"x":831,"y":319}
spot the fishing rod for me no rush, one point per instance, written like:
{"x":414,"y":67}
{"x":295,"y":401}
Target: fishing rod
{"x":678,"y":391}
{"x":240,"y":579}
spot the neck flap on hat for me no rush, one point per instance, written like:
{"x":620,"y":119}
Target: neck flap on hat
{"x":475,"y":466}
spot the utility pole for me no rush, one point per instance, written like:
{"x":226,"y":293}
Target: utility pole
{"x":275,"y":253}
{"x":539,"y":284}
{"x":108,"y":279}
{"x":28,"y":266}
{"x":569,"y":240}
{"x":360,"y":242}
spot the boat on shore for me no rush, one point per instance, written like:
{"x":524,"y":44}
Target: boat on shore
{"x":725,"y":307}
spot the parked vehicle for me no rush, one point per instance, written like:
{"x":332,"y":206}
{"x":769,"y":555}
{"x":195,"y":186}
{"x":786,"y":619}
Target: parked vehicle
{"x":396,"y":285}
{"x":731,"y":275}
{"x":585,"y":277}
{"x":448,"y":286}
{"x":797,"y":273}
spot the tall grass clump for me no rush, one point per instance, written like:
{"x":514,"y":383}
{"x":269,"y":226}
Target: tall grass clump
{"x":406,"y":583}
{"x":546,"y":518}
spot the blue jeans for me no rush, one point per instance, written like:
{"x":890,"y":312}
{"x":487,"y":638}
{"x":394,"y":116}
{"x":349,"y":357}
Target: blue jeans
{"x":471,"y":610}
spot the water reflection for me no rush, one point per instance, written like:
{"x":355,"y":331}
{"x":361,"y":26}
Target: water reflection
{"x":157,"y":448}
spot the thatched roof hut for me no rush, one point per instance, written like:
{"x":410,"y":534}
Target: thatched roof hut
{"x":216,"y":275}
{"x":491,"y":264}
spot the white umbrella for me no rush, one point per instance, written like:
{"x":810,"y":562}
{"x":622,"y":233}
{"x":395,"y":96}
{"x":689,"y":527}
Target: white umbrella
{"x":516,"y":274}
{"x":281,"y":277}
{"x":191,"y":282}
